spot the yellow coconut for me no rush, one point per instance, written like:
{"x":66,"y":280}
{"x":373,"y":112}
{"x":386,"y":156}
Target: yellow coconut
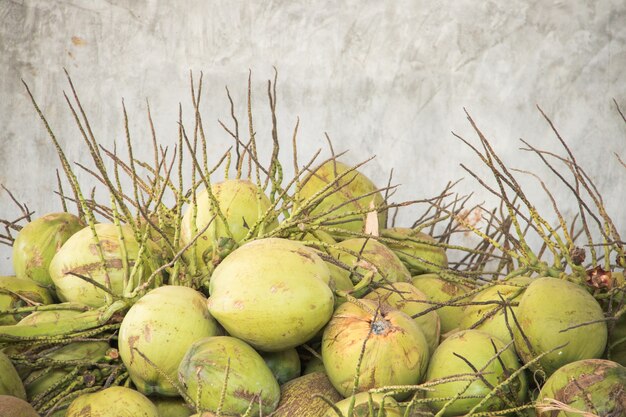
{"x":272,"y":293}
{"x":347,"y":200}
{"x":241,"y":204}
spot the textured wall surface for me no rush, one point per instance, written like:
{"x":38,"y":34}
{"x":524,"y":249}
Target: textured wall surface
{"x":385,"y":78}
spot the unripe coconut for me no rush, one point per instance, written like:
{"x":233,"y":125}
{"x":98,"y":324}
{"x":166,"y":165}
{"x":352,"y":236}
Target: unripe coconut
{"x":593,"y":386}
{"x":440,"y":290}
{"x":492,"y":318}
{"x":408,"y":299}
{"x":20,"y":292}
{"x":315,"y":364}
{"x":416,"y":250}
{"x":617,"y":337}
{"x":352,"y":192}
{"x":300,"y":396}
{"x":203,"y":371}
{"x":364,"y":404}
{"x":10,"y":382}
{"x":161,"y":327}
{"x":49,"y":317}
{"x":617,"y":342}
{"x":15,"y":407}
{"x":112,"y":402}
{"x":479,"y":349}
{"x":548,"y":314}
{"x":171,"y":407}
{"x":272,"y":293}
{"x":81,"y":255}
{"x":241,"y":203}
{"x":41,"y":379}
{"x":285,"y":365}
{"x":372,"y":256}
{"x":38,"y":242}
{"x":396,"y":351}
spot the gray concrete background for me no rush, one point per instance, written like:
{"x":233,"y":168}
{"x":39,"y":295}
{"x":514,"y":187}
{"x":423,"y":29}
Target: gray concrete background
{"x":385,"y":78}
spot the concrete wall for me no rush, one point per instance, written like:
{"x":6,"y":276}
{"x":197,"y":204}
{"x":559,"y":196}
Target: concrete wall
{"x":385,"y":78}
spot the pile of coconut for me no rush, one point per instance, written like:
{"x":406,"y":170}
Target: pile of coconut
{"x":244,"y":293}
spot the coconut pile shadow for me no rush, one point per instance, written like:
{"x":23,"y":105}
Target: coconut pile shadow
{"x":229,"y":289}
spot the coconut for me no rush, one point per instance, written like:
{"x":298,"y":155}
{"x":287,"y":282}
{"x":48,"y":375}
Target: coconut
{"x":396,"y":351}
{"x":592,"y":386}
{"x":492,"y":318}
{"x":112,"y":402}
{"x":552,"y":315}
{"x":42,"y":379}
{"x":171,"y":407}
{"x":364,"y":404}
{"x":314,"y":364}
{"x":10,"y":382}
{"x":15,"y":407}
{"x":616,"y":349}
{"x":440,"y":290}
{"x":408,"y":299}
{"x":241,"y":204}
{"x":285,"y":365}
{"x":452,"y":358}
{"x":416,"y":250}
{"x":346,"y":203}
{"x":272,"y":293}
{"x":250,"y":381}
{"x":38,"y":242}
{"x":373,"y":256}
{"x":617,"y":342}
{"x":170,"y":316}
{"x":20,"y":292}
{"x":301,"y":396}
{"x":81,"y":255}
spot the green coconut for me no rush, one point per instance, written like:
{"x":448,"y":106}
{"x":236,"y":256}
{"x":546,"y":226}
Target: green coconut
{"x":241,"y":204}
{"x":272,"y":293}
{"x":10,"y":382}
{"x":367,"y":255}
{"x":301,"y":396}
{"x":417,"y":250}
{"x":15,"y":407}
{"x":367,"y":405}
{"x":440,"y":290}
{"x":454,"y":356}
{"x":492,"y":318}
{"x":38,"y":242}
{"x":396,"y":351}
{"x":561,"y":318}
{"x":171,"y":407}
{"x":250,"y":381}
{"x":42,"y":379}
{"x":315,"y":364}
{"x":156,"y":333}
{"x":616,"y":349}
{"x":346,"y":202}
{"x":20,"y":292}
{"x":53,"y":317}
{"x":408,"y":299}
{"x":112,"y":402}
{"x":285,"y":365}
{"x":593,"y":386}
{"x":617,"y":342}
{"x":81,"y":255}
